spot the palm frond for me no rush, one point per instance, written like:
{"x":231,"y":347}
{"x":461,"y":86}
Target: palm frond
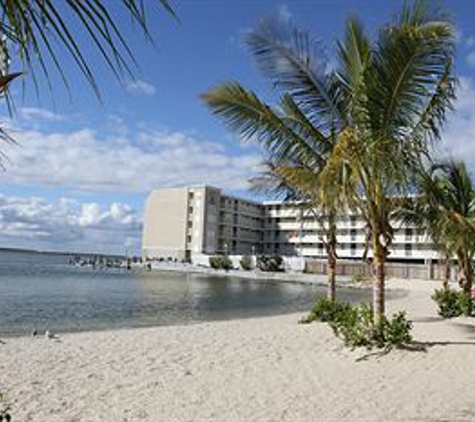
{"x":296,"y":63}
{"x":33,"y":29}
{"x":254,"y":120}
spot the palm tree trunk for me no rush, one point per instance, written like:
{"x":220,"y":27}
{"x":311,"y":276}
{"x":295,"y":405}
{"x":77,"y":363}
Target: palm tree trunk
{"x":445,"y":282}
{"x":331,"y":273}
{"x":379,"y":263}
{"x":467,"y":287}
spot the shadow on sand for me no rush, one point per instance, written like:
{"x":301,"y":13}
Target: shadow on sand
{"x":424,"y":346}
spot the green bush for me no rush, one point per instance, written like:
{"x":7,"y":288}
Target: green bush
{"x":354,"y":324}
{"x":453,"y":303}
{"x":397,"y":331}
{"x":246,"y":263}
{"x":325,"y":310}
{"x":221,"y":262}
{"x":270,"y":263}
{"x":466,"y":303}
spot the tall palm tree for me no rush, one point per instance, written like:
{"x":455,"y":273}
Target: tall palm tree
{"x":451,"y":195}
{"x":426,"y":211}
{"x":379,"y":108}
{"x":295,"y":182}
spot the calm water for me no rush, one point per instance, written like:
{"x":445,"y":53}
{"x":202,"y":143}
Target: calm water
{"x":43,"y":291}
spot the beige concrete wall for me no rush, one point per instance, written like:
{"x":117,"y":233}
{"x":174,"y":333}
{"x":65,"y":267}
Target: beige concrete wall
{"x":165,"y":224}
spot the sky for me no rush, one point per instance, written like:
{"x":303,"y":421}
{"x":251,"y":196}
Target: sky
{"x":82,"y":168}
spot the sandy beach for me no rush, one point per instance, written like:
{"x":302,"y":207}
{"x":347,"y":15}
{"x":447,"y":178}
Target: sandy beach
{"x":265,"y":369}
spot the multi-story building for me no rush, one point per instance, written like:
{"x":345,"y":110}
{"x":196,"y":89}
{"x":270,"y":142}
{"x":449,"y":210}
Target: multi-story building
{"x":183,"y":222}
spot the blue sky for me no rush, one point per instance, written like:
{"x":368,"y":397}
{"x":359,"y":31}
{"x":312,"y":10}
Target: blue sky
{"x":83,"y":168}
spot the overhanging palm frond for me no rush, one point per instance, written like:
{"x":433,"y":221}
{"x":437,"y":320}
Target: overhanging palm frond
{"x":33,"y":29}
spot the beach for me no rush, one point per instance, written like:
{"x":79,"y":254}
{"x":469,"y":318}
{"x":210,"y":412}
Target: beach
{"x":261,"y":369}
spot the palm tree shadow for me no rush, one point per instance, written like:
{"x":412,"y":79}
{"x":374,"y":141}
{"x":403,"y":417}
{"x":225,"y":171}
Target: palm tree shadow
{"x":415,"y":346}
{"x":423,"y":346}
{"x":427,"y":319}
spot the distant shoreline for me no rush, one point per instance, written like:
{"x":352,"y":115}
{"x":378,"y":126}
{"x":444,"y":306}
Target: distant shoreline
{"x":290,"y":277}
{"x":63,"y":253}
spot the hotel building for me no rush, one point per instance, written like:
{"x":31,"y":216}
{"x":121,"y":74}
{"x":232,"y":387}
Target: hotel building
{"x":183,"y":222}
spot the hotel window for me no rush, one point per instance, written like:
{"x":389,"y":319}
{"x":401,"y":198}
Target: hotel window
{"x":408,"y":249}
{"x":190,"y":224}
{"x":188,"y":239}
{"x":353,"y":235}
{"x":409,"y":233}
{"x":353,"y":249}
{"x":353,"y":219}
{"x":320,"y":249}
{"x":191,"y":195}
{"x":190,"y":210}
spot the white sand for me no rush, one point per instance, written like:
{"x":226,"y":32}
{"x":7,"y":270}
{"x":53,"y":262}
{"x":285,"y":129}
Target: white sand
{"x":266,"y":369}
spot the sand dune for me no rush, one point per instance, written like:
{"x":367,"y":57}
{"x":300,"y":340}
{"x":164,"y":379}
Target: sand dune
{"x":266,"y":369}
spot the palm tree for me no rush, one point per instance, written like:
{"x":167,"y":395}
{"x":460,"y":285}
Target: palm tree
{"x":296,"y":182}
{"x":425,"y":211}
{"x":380,"y":108}
{"x":450,"y":196}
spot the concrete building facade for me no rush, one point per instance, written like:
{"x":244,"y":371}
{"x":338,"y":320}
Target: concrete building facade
{"x":182,"y":222}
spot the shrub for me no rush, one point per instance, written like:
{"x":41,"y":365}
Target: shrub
{"x":270,"y":263}
{"x":453,"y":303}
{"x":397,"y":330}
{"x":246,"y":263}
{"x":466,"y":303}
{"x":220,"y":262}
{"x":354,"y":324}
{"x":325,"y":310}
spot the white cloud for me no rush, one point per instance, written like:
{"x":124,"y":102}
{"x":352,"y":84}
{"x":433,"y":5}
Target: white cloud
{"x":135,"y":162}
{"x":459,"y":135}
{"x":139,"y":87}
{"x":284,"y":12}
{"x":471,"y":58}
{"x":34,"y":113}
{"x":68,"y":225}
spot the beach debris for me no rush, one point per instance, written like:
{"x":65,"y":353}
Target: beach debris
{"x":34,"y":333}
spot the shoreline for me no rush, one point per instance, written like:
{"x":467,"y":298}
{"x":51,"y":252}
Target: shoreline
{"x":396,"y":291}
{"x":290,"y":277}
